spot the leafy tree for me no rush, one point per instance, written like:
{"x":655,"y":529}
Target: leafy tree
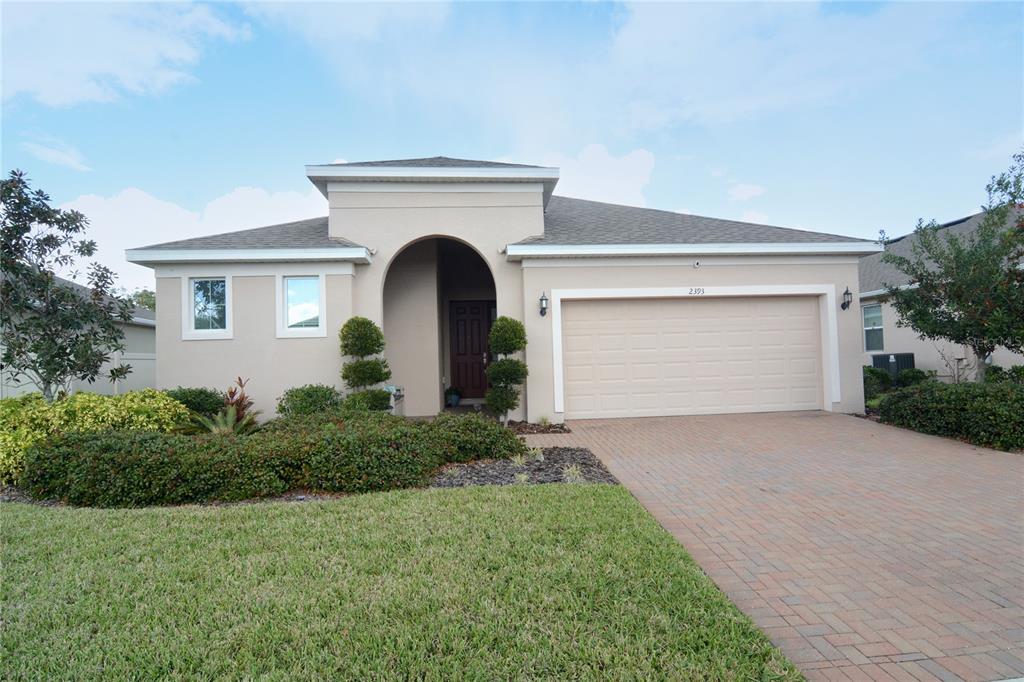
{"x":506,"y":374}
{"x":969,"y":289}
{"x":144,"y":298}
{"x":53,"y":332}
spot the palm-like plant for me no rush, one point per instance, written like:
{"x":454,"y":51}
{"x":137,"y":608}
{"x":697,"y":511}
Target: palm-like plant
{"x":226,"y":422}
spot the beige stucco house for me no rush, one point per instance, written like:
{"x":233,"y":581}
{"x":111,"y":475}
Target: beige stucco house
{"x":882,"y":336}
{"x":628,"y":311}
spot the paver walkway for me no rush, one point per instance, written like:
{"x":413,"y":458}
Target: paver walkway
{"x":862,"y":550}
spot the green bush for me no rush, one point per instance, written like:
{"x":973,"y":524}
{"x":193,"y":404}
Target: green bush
{"x":507,"y":336}
{"x":996,"y":374}
{"x":308,"y":399}
{"x":506,"y":372}
{"x":205,"y":402}
{"x":990,"y":415}
{"x":360,"y":337}
{"x":29,"y":419}
{"x":911,"y":376}
{"x":360,"y":373}
{"x":501,"y":399}
{"x":466,"y":437}
{"x":373,"y":399}
{"x":876,"y":381}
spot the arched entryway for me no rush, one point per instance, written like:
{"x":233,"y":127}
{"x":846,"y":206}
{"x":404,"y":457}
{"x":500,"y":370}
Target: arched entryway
{"x":439,"y":303}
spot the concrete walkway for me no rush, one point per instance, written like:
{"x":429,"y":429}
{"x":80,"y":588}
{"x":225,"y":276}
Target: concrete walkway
{"x":863,"y":551}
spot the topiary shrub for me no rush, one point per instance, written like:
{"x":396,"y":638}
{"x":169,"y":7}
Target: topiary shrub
{"x":911,"y":376}
{"x":505,"y":374}
{"x":28,"y":419}
{"x":203,"y":401}
{"x":990,"y":415}
{"x":465,"y":437}
{"x":876,"y":381}
{"x":361,"y":338}
{"x":308,"y":399}
{"x":373,"y":399}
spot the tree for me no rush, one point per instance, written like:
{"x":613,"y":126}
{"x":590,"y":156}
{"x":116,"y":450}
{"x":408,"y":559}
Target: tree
{"x":505,"y":374}
{"x":53,"y":332}
{"x":363,"y":340}
{"x":144,"y":298}
{"x":969,"y":289}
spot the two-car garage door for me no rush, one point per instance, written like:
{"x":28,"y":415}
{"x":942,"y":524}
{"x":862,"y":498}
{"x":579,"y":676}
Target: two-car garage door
{"x":671,"y":356}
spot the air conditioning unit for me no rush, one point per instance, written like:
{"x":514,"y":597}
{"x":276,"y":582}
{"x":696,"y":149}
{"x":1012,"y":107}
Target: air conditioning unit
{"x":893,"y":362}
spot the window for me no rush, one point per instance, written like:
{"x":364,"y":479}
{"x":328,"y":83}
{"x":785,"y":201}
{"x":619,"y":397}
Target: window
{"x":300,"y":304}
{"x":206,"y":308}
{"x":872,"y":327}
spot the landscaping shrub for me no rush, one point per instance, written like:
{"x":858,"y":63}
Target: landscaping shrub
{"x":990,"y":415}
{"x":29,"y":419}
{"x":203,"y":401}
{"x":308,"y":399}
{"x":361,"y":339}
{"x":876,"y":381}
{"x":466,"y":437}
{"x":911,"y":376}
{"x":373,"y":399}
{"x":505,"y":374}
{"x":996,"y":374}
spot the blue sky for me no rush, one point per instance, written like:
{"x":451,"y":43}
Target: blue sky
{"x":171,"y":120}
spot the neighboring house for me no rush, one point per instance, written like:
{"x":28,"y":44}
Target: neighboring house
{"x":882,"y":336}
{"x":139,"y":352}
{"x":628,"y":311}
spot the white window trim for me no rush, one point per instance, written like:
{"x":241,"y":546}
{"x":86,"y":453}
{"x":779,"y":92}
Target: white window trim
{"x":865,"y":328}
{"x":826,"y":294}
{"x":281,"y":300}
{"x":188,"y":333}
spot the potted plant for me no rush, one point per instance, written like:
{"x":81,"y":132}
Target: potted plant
{"x":452,"y":396}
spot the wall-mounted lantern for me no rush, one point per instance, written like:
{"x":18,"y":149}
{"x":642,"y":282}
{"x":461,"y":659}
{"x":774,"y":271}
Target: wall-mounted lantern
{"x":543,"y":305}
{"x":847,"y":299}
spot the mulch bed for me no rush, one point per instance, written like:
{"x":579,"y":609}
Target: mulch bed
{"x":551,"y":467}
{"x":529,"y":428}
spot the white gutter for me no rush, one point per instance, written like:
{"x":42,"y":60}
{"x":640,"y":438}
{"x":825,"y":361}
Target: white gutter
{"x":520,"y":251}
{"x":354,"y":254}
{"x":428,"y":172}
{"x":880,"y":292}
{"x":143,"y":321}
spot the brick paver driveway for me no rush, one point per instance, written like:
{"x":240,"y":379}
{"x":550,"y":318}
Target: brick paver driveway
{"x":862,"y":550}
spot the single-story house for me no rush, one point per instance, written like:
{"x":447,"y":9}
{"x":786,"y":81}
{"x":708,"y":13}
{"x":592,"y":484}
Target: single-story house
{"x":881,"y":335}
{"x":139,"y":352}
{"x":628,"y":311}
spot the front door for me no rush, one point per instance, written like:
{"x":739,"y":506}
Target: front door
{"x":470,"y":325}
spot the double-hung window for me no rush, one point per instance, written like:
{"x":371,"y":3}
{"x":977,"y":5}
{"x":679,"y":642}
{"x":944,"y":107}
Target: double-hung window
{"x":206,"y":309}
{"x":872,"y":327}
{"x":300,"y":306}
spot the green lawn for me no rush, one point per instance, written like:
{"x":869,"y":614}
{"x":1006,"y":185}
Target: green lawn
{"x":554,"y":581}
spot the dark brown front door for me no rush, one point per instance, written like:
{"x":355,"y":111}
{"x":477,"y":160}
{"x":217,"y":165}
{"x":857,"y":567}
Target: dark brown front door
{"x":470,"y":325}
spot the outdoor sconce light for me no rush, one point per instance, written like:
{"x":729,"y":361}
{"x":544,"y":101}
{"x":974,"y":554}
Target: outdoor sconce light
{"x":847,"y":299}
{"x":543,"y":305}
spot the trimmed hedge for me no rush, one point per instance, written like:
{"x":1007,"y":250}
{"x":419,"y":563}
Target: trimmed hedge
{"x":29,"y":419}
{"x":990,"y":415}
{"x":341,"y":452}
{"x":996,"y":374}
{"x":308,"y":399}
{"x":205,"y":402}
{"x":876,"y":381}
{"x":373,"y":399}
{"x":467,"y":436}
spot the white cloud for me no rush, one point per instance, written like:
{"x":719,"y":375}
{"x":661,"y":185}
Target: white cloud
{"x":1003,"y":147}
{"x":754,"y":217}
{"x":65,"y":53}
{"x":133,"y":218}
{"x":52,"y":150}
{"x":596,"y":174}
{"x":744,"y":191}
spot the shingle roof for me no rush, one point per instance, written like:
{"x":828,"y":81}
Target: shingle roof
{"x":83,"y":290}
{"x":433,"y":162}
{"x":300,"y":234}
{"x":577,"y":221}
{"x":875,"y":275}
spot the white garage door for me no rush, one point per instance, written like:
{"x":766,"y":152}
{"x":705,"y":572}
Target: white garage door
{"x":649,"y":357}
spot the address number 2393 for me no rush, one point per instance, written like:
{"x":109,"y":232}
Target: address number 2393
{"x":696,"y":291}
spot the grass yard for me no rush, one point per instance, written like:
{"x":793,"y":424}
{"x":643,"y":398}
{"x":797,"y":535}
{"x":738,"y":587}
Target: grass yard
{"x":556,"y":581}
